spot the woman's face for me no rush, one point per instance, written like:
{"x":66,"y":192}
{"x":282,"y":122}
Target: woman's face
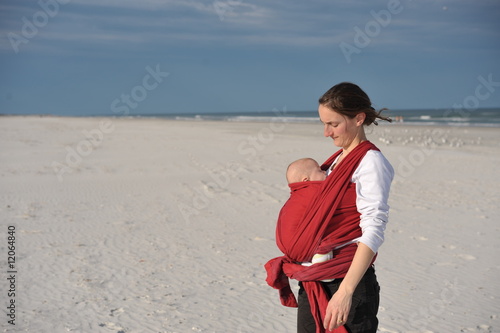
{"x":343,"y":130}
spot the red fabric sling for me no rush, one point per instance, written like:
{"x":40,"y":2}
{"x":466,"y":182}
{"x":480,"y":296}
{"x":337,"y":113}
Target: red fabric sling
{"x":308,"y":237}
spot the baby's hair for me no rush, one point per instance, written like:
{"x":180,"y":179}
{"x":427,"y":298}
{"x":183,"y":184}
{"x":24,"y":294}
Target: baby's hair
{"x":298,"y":169}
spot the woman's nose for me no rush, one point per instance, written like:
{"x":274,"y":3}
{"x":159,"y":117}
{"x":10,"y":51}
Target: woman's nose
{"x":327,"y":131}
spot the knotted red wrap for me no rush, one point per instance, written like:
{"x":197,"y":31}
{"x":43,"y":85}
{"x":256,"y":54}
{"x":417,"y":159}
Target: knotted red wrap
{"x":307,"y":237}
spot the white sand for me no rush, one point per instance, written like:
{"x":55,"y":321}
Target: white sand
{"x":164,"y":226}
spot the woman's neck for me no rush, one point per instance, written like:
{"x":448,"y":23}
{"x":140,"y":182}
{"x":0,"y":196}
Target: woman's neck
{"x":354,"y":144}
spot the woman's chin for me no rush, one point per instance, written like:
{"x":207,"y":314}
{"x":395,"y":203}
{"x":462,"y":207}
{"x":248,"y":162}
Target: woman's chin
{"x":337,"y":143}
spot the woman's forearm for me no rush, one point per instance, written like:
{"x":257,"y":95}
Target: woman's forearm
{"x":360,"y":263}
{"x":339,"y":305}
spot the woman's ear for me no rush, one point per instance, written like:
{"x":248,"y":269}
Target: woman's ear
{"x":360,"y":118}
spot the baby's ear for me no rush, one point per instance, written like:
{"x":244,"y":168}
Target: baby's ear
{"x":305,"y":179}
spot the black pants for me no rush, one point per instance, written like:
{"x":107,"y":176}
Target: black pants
{"x":363,"y":314}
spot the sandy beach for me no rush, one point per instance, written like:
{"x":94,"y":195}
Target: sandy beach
{"x":155,"y":225}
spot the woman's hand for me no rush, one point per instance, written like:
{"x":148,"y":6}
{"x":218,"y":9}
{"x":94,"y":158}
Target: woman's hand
{"x":338,"y":309}
{"x":340,"y":304}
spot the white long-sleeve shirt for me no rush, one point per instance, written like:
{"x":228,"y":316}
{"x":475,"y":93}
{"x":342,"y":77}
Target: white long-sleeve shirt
{"x":373,"y":178}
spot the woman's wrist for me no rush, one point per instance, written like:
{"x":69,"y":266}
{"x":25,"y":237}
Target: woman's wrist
{"x":347,"y":288}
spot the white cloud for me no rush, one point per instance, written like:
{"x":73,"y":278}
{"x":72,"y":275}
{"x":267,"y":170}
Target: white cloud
{"x":322,"y":23}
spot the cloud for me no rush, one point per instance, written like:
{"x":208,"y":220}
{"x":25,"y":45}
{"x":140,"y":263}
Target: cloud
{"x":127,"y":24}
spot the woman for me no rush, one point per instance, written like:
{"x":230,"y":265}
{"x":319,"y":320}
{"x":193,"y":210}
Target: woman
{"x":348,"y":218}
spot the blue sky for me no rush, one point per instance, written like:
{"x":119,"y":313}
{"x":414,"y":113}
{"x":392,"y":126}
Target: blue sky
{"x":88,"y":57}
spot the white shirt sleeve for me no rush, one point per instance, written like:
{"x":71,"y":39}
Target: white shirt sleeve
{"x":373,"y":179}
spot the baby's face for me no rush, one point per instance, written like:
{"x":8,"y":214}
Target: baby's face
{"x":317,"y":174}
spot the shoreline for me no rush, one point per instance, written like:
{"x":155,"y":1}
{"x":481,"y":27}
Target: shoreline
{"x":257,"y":119}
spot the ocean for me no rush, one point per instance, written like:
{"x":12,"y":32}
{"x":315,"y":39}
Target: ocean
{"x":487,"y":117}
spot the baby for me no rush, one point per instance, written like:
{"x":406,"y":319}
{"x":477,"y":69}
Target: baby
{"x":304,"y":170}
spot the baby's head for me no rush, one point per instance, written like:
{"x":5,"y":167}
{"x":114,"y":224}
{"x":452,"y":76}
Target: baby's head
{"x":305,"y":169}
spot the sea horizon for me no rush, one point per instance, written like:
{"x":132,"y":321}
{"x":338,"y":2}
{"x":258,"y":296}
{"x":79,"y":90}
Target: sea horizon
{"x":483,"y":117}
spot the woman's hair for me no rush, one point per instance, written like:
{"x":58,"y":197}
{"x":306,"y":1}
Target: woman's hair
{"x":348,"y":99}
